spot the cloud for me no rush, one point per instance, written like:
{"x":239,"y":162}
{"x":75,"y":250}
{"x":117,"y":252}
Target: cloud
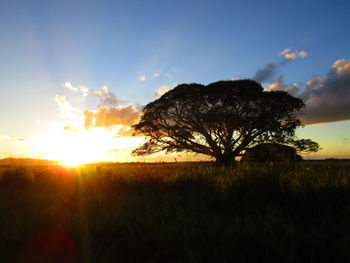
{"x":291,"y":89}
{"x":112,"y":116}
{"x":156,"y":74}
{"x":70,"y":129}
{"x":66,"y":110}
{"x":285,"y":51}
{"x":161,"y":91}
{"x":107,"y":98}
{"x":303,"y":54}
{"x":141,"y":78}
{"x":88,"y":119}
{"x":270,"y":70}
{"x":266,"y":73}
{"x":84,"y":90}
{"x":70,"y":86}
{"x":328,"y":99}
{"x":126,"y":132}
{"x":290,"y":56}
{"x":293,"y":55}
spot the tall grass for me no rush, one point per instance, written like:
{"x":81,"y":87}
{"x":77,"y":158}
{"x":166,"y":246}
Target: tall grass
{"x":176,"y":213}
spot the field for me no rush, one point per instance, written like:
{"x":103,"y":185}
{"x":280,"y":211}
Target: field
{"x":180,"y":212}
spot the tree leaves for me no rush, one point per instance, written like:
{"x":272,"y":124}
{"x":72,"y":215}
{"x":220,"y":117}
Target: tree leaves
{"x":221,"y":119}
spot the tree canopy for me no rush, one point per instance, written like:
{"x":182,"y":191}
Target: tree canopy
{"x":220,"y":120}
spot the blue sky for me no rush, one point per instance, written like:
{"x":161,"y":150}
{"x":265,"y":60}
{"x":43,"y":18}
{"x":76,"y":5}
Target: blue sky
{"x":44,"y":44}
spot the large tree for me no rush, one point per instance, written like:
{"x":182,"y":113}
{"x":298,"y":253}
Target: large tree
{"x":220,"y":120}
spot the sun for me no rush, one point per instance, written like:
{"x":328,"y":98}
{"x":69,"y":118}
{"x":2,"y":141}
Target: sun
{"x":75,"y":147}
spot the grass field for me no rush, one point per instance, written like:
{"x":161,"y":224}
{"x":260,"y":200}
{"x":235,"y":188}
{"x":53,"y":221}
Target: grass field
{"x":181,"y":212}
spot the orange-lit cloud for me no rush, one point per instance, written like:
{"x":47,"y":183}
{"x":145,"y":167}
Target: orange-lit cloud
{"x":328,"y":99}
{"x":110,"y":114}
{"x":293,"y":55}
{"x":285,"y":51}
{"x":107,"y":98}
{"x":289,"y":54}
{"x":109,"y":117}
{"x":302,"y":54}
{"x":126,"y":131}
{"x":291,"y":89}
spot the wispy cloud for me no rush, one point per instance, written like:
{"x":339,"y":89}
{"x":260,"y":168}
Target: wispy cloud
{"x":141,"y":78}
{"x":285,"y":51}
{"x":83,"y":89}
{"x":66,"y":110}
{"x":266,"y":73}
{"x":156,"y":74}
{"x":162,"y":90}
{"x":269,"y":72}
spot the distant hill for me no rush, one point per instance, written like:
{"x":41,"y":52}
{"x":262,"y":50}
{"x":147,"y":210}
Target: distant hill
{"x":26,"y":162}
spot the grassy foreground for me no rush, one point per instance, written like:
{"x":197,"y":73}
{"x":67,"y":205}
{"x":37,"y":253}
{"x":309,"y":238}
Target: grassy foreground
{"x":175,"y":213}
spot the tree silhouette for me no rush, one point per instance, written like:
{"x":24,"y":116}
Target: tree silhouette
{"x":220,"y":120}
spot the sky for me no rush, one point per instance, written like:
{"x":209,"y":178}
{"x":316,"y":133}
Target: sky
{"x":82,"y":70}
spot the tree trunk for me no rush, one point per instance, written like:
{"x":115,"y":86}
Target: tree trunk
{"x":225,"y":161}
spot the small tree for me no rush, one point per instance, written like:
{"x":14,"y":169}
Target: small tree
{"x":220,"y":120}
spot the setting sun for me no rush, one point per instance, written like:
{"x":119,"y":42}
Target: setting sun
{"x":74,"y":147}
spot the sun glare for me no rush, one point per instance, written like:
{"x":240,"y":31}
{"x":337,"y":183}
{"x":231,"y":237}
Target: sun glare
{"x":73,"y":148}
